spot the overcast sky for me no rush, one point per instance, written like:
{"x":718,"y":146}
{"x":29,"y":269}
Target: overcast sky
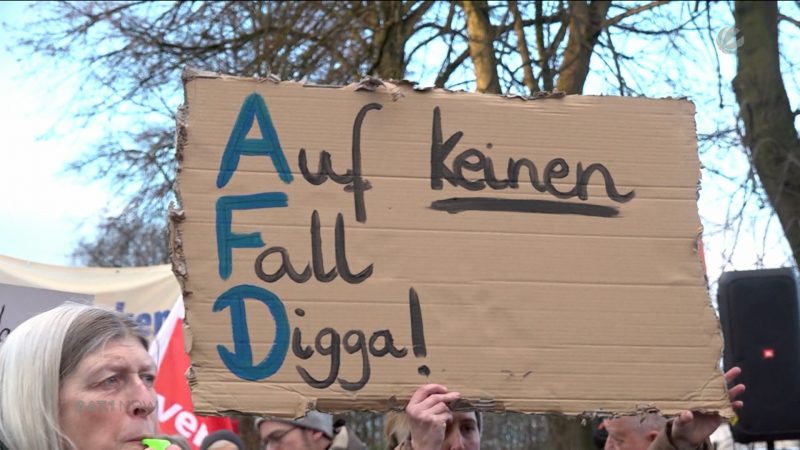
{"x":43,"y":211}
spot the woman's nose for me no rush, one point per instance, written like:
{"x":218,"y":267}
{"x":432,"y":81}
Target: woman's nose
{"x":142,"y":399}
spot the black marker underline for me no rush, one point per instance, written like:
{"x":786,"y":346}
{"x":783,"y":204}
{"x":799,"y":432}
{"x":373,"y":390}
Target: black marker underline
{"x":459,"y":204}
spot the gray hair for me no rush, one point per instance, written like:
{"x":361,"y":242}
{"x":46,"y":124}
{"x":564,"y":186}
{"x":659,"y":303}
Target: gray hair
{"x":37,"y":356}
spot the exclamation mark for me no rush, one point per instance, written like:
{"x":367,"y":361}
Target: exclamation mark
{"x":417,"y":331}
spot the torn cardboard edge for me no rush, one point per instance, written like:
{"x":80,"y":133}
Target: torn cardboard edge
{"x":178,"y":261}
{"x":399,"y":406}
{"x":176,"y":215}
{"x":176,"y":255}
{"x":371,"y":84}
{"x":368,"y":83}
{"x":483,"y":405}
{"x":486,"y":405}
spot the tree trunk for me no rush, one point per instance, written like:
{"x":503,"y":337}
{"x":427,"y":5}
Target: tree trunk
{"x":395,"y":25}
{"x":481,"y":46}
{"x":764,"y":109}
{"x":522,"y":46}
{"x":544,"y":56}
{"x":585,"y":25}
{"x":390,"y":42}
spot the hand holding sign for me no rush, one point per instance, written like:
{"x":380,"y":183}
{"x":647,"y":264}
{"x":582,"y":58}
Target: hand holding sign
{"x":429,"y":413}
{"x":691,"y":428}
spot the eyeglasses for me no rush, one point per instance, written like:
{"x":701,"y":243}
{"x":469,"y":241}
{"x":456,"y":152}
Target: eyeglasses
{"x":276,"y":437}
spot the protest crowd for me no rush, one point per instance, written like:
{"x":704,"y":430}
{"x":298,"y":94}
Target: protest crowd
{"x":61,"y":360}
{"x":354,"y":232}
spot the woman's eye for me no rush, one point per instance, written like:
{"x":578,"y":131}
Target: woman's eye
{"x":149,"y":379}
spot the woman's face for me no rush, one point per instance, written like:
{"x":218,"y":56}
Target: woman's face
{"x":107,"y":402}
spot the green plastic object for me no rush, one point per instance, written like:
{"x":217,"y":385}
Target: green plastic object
{"x":156,"y":444}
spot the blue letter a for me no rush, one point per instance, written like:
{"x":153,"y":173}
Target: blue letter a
{"x":238,"y":144}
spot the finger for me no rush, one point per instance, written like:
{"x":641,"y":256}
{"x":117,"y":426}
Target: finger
{"x":684,"y":418}
{"x":435,"y":399}
{"x":439,"y":408}
{"x":737,"y":404}
{"x":425,"y":391}
{"x":431,"y":401}
{"x":715,"y":417}
{"x":439,"y":398}
{"x":174,"y":447}
{"x":443,"y":418}
{"x":735,"y":391}
{"x":731,"y":374}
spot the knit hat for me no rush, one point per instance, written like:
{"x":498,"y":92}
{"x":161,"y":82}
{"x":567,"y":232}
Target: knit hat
{"x":222,"y":435}
{"x":313,"y":420}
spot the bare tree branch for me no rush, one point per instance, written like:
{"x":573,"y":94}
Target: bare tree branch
{"x":522,"y":45}
{"x":791,"y":20}
{"x":615,"y":57}
{"x":633,"y":11}
{"x":445,"y":74}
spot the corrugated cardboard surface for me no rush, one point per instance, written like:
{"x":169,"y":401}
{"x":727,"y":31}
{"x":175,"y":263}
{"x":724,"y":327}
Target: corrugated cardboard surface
{"x":532,"y":312}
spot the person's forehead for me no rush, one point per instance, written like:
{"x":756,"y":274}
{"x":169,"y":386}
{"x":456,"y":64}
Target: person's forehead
{"x":622,"y":424}
{"x":268,"y":426}
{"x":223,"y":445}
{"x":126,"y":353}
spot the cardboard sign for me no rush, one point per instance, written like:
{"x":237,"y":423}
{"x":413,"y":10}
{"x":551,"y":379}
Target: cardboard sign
{"x":340,"y":247}
{"x":19,"y":303}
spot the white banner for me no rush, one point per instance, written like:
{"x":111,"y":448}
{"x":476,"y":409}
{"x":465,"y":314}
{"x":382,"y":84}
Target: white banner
{"x":18,"y":303}
{"x":146,"y":294}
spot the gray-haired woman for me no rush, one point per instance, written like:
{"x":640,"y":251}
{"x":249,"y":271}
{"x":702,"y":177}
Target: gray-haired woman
{"x":76,"y":377}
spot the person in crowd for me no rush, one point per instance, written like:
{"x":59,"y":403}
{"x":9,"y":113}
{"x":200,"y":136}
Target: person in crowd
{"x":76,"y":377}
{"x":222,"y":440}
{"x":642,"y":431}
{"x":633,"y":432}
{"x":315,"y":431}
{"x":435,"y":426}
{"x":395,"y":429}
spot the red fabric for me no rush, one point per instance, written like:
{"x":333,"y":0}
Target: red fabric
{"x":175,"y":410}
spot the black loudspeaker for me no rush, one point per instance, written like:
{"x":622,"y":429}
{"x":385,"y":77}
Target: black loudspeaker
{"x":761,"y":326}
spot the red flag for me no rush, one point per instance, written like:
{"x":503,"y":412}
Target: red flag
{"x":175,"y":410}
